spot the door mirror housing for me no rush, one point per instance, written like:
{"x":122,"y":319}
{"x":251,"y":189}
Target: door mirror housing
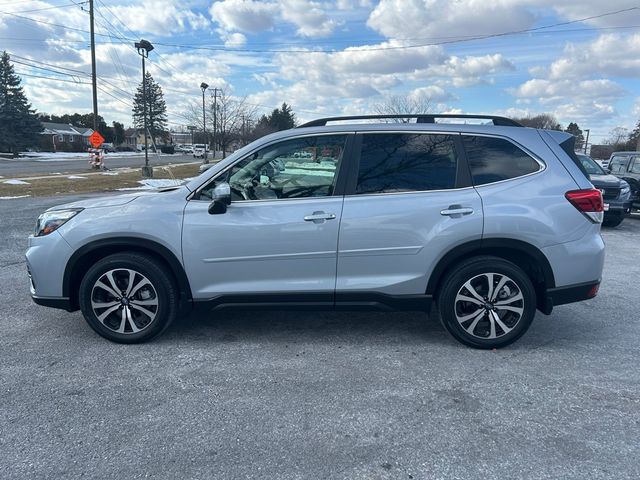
{"x":221,"y":199}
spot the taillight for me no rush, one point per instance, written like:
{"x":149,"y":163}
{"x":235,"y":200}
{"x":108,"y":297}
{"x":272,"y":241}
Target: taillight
{"x":588,"y":202}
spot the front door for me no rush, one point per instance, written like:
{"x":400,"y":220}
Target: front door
{"x":280,"y":233}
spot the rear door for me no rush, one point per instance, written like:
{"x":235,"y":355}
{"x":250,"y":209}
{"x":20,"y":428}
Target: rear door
{"x":409,"y":202}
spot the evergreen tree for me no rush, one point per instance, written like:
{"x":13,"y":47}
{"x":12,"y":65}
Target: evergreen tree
{"x":575,"y":130}
{"x":156,"y":108}
{"x":19,"y":126}
{"x":281,"y":118}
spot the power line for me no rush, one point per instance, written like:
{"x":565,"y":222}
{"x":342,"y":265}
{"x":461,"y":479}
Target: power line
{"x":23,"y":74}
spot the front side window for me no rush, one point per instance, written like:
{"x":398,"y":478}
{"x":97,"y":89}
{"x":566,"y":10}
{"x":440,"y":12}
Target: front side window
{"x":401,"y":162}
{"x":618,"y":164}
{"x":299,"y":168}
{"x":494,"y":159}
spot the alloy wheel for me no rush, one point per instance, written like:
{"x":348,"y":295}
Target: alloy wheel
{"x":489,"y":305}
{"x":124,"y":301}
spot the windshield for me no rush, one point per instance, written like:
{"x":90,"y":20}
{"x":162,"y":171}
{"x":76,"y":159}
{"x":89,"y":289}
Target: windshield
{"x":590,"y":165}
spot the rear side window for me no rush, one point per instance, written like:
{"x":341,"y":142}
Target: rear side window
{"x":495,"y":159}
{"x":635,"y":165}
{"x":399,"y":162}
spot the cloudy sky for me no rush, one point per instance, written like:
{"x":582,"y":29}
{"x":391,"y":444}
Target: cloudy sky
{"x":579,"y":59}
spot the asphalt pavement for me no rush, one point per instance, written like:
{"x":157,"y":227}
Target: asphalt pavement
{"x":290,"y":395}
{"x":35,"y":166}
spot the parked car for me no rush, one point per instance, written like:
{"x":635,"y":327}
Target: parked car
{"x":490,"y":222}
{"x":199,"y":149}
{"x":108,"y":147}
{"x":615,"y":192}
{"x":626,"y":165}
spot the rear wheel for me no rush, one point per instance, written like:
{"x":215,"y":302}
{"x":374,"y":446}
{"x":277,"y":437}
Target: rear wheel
{"x":487,"y":302}
{"x":128,"y":298}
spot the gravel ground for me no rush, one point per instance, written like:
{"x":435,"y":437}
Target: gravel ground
{"x":287,"y":395}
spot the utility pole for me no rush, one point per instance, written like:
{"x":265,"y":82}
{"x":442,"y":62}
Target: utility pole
{"x":205,"y":159}
{"x":586,"y":142}
{"x":215,"y":119}
{"x":94,"y":83}
{"x":144,"y":47}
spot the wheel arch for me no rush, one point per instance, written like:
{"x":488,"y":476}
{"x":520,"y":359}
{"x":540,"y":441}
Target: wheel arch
{"x":88,"y":254}
{"x":526,"y":256}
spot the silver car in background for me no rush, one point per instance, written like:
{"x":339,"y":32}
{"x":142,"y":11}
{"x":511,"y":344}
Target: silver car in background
{"x":490,"y":221}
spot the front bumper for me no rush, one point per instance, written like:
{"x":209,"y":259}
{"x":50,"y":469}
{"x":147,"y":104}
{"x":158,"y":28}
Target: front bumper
{"x":617,"y":207}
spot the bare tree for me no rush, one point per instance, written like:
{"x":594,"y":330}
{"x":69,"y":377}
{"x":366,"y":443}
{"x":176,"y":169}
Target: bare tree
{"x":546,"y":121}
{"x":229,"y":120}
{"x":403,"y":104}
{"x":618,"y":137}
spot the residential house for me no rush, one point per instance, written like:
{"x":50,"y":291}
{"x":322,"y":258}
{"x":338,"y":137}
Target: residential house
{"x":64,"y":137}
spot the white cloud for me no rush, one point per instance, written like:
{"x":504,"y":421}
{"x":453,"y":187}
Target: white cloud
{"x":446,"y":18}
{"x":434,"y":93}
{"x":251,"y":16}
{"x":553,"y":90}
{"x":309,"y":16}
{"x":154,"y":16}
{"x":612,"y":55}
{"x":244,"y":15}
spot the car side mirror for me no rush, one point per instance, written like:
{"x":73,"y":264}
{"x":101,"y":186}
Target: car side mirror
{"x":221,"y":199}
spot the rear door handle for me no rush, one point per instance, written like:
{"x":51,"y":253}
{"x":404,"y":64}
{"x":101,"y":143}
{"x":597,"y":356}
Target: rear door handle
{"x":319,"y":217}
{"x":456,"y":211}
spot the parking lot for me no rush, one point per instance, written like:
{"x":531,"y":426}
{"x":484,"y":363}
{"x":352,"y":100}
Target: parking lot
{"x":287,"y":395}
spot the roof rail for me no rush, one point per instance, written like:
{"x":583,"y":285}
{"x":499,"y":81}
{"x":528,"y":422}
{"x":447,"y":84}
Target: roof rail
{"x":420,"y":118}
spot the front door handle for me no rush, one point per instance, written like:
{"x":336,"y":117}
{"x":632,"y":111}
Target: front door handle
{"x":456,"y":211}
{"x":319,"y":217}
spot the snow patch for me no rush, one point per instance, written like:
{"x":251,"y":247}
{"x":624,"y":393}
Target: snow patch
{"x":17,"y":196}
{"x":13,"y":181}
{"x":76,"y":177}
{"x":154,"y":183}
{"x":110,"y":173}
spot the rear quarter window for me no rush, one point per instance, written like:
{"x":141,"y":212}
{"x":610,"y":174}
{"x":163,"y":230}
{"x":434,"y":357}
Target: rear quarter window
{"x":495,"y":159}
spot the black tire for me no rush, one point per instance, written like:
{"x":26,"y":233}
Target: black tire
{"x":159,"y":288}
{"x":612,"y":220}
{"x":478,"y":271}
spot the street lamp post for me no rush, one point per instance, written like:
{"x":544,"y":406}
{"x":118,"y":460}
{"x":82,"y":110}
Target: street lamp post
{"x":144,"y":47}
{"x":203,"y":87}
{"x":586,"y":142}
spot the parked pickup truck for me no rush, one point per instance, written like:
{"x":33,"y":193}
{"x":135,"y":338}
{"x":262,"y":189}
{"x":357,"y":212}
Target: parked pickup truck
{"x":626,"y":165}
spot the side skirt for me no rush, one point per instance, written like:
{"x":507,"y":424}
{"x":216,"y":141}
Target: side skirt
{"x":362,"y":301}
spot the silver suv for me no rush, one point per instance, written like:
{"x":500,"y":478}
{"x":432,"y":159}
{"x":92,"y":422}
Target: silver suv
{"x":492,"y":221}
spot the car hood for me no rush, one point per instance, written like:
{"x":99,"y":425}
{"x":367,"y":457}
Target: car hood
{"x":117,"y":200}
{"x":605,"y":181}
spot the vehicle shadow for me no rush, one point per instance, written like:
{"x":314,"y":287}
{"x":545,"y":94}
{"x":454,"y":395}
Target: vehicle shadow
{"x":305,"y":326}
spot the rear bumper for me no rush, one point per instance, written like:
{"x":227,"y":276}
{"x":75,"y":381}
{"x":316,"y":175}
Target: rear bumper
{"x":62,"y":303}
{"x":569,"y":294}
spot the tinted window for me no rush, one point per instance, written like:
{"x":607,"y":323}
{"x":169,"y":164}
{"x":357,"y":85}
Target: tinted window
{"x":298,"y":168}
{"x":618,"y":164}
{"x":590,"y":165}
{"x":395,"y":162}
{"x":635,"y":165}
{"x":495,"y":159}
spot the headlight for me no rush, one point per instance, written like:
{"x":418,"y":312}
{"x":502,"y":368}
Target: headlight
{"x":625,"y":188}
{"x":50,"y":221}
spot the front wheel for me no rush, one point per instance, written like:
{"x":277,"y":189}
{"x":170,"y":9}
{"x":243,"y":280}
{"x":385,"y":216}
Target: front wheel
{"x":487,"y":302}
{"x":612,"y":220}
{"x":128,"y":298}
